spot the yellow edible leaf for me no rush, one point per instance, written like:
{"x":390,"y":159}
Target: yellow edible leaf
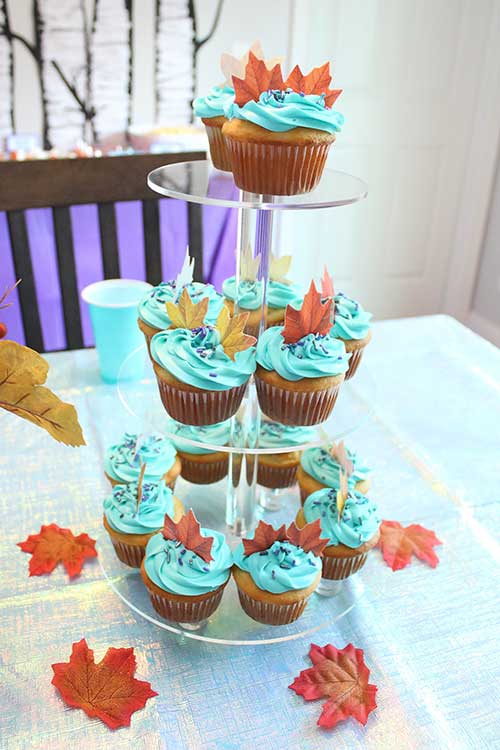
{"x":279,"y":267}
{"x":249,"y":266}
{"x":22,"y":373}
{"x":186,"y":313}
{"x":232,"y":338}
{"x":342,"y":493}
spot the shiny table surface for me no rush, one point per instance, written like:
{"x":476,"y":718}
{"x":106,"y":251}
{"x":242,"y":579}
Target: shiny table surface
{"x":430,"y":636}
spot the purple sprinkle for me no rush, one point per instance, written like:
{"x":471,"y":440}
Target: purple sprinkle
{"x":273,"y":574}
{"x":263,"y":553}
{"x":212,"y":374}
{"x":179,"y":560}
{"x":207,"y":570}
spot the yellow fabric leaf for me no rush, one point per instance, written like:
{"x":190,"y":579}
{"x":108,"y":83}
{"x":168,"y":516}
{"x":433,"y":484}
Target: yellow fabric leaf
{"x":185,"y":313}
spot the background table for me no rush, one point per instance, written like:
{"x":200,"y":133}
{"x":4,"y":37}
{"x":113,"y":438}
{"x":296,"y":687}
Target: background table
{"x":430,"y":636}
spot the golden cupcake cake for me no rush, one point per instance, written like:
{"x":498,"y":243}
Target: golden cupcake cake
{"x":322,"y":466}
{"x":123,"y":461}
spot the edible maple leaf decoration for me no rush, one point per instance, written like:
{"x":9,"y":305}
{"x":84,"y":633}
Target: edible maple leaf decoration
{"x":258,"y":78}
{"x":53,"y":545}
{"x":232,"y":336}
{"x":340,"y":675}
{"x":327,"y":290}
{"x":398,"y":544}
{"x":249,"y":266}
{"x":107,"y":690}
{"x":317,"y":81}
{"x":308,"y":537}
{"x":339,"y":453}
{"x":187,"y":532}
{"x":185,"y":313}
{"x":234,"y":66}
{"x":313,"y":317}
{"x":279,"y":267}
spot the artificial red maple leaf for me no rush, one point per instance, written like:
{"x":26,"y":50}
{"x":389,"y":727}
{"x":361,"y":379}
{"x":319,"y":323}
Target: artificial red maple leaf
{"x":340,"y":675}
{"x":187,"y":531}
{"x":53,"y":545}
{"x":313,"y":317}
{"x":398,"y":544}
{"x":308,"y":537}
{"x":257,"y":79}
{"x":264,"y":537}
{"x":107,"y":690}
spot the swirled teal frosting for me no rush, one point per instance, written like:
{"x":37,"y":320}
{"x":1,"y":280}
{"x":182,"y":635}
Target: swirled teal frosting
{"x":276,"y":435}
{"x":321,"y":465}
{"x":217,"y":434}
{"x":280,"y":111}
{"x":280,"y":294}
{"x":282,"y":567}
{"x":122,"y":462}
{"x":122,"y":514}
{"x":213,"y":105}
{"x":351,"y":320}
{"x":249,"y":293}
{"x":197,"y":357}
{"x":358,"y":522}
{"x":152,"y":309}
{"x":178,"y":570}
{"x":314,"y":356}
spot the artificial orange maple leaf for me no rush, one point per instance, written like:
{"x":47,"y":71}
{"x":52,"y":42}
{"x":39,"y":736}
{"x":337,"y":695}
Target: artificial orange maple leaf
{"x":313,"y":317}
{"x":264,"y":537}
{"x":340,"y":675}
{"x":398,"y":544}
{"x":53,"y":545}
{"x":187,"y":532}
{"x":185,"y":313}
{"x":308,"y":537}
{"x":107,"y":690}
{"x":232,"y":336}
{"x":257,"y":79}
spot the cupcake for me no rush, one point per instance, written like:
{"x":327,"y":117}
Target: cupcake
{"x":152,"y":310}
{"x":201,"y":465}
{"x":321,"y":467}
{"x":279,"y":132}
{"x":300,"y":366}
{"x":277,"y":570}
{"x":352,"y":532}
{"x":247,"y":296}
{"x":279,"y":470}
{"x":122,"y":461}
{"x":202,"y":370}
{"x":280,"y":290}
{"x":131,"y":522}
{"x":185,"y":570}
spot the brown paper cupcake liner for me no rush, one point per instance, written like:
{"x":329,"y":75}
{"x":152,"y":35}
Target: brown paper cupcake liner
{"x":296,"y":407}
{"x":186,"y":611}
{"x":221,"y":156}
{"x":129,"y":554}
{"x":200,"y":407}
{"x":276,"y":169}
{"x":354,"y":362}
{"x":204,"y":473}
{"x":338,"y":568}
{"x":276,"y":477}
{"x":269,"y":613}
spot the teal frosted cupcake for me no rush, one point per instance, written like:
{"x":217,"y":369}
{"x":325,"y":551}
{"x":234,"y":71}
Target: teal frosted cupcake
{"x":351,"y":534}
{"x":320,"y":468}
{"x":130,"y":523}
{"x":123,"y":461}
{"x":201,"y":465}
{"x":352,"y":327}
{"x":211,"y":110}
{"x":185,"y":570}
{"x":279,"y":470}
{"x":248,"y":295}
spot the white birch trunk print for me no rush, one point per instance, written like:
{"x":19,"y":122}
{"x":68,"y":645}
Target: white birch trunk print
{"x":110,"y":63}
{"x":5,"y":84}
{"x":174,"y":63}
{"x":63,"y":40}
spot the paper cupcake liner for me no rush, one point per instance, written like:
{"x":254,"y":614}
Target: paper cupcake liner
{"x":354,"y":362}
{"x":200,"y":407}
{"x":129,"y":554}
{"x":276,"y":477}
{"x":338,"y":568}
{"x":221,"y":156}
{"x":269,"y":613}
{"x":296,"y":407}
{"x":204,"y":473}
{"x":304,"y":494}
{"x":186,"y":611}
{"x":276,"y":169}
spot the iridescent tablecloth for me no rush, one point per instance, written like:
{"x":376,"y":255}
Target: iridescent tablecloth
{"x":430,"y":636}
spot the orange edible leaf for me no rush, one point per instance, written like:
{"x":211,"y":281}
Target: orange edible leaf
{"x":187,"y":531}
{"x":53,"y":545}
{"x":107,"y":690}
{"x":308,"y":537}
{"x":258,"y":78}
{"x":264,"y":537}
{"x":234,"y":66}
{"x":340,"y":675}
{"x":327,"y":290}
{"x":398,"y":544}
{"x":313,"y":317}
{"x":316,"y":81}
{"x":331,"y":97}
{"x":232,"y":336}
{"x":185,"y":313}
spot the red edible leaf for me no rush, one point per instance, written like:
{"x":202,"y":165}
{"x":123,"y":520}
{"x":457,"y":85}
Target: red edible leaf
{"x":340,"y":675}
{"x":107,"y":690}
{"x":264,"y":537}
{"x":308,"y":537}
{"x":313,"y":317}
{"x":331,"y":97}
{"x":53,"y":545}
{"x":257,"y":79}
{"x":327,"y":290}
{"x":398,"y":544}
{"x":316,"y":81}
{"x":187,"y":531}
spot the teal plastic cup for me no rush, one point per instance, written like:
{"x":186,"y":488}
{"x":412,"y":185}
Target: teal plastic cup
{"x":113,"y":312}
